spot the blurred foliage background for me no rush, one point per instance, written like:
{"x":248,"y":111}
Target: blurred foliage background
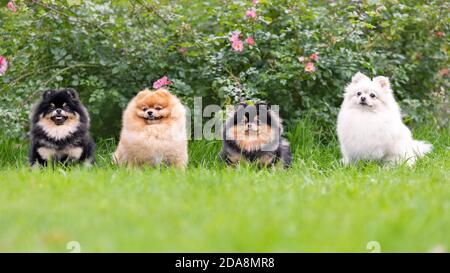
{"x":302,"y":55}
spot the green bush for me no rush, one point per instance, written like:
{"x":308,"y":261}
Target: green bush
{"x":108,"y":50}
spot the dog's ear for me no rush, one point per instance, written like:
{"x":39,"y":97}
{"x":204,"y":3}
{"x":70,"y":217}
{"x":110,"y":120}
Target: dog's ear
{"x":383,"y":82}
{"x":358,"y":77}
{"x":260,"y":105}
{"x":241,"y":105}
{"x":72,"y":93}
{"x":47,"y":93}
{"x":262,"y":108}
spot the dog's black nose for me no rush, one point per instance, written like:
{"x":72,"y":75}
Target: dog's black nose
{"x":58,"y":111}
{"x":150,"y":113}
{"x":363,"y":98}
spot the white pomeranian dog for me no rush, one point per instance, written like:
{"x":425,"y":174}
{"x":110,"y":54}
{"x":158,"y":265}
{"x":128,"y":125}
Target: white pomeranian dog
{"x":370,"y":125}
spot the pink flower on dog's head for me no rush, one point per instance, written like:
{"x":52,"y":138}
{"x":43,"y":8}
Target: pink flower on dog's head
{"x":314,"y":57}
{"x":251,"y":13}
{"x":237,"y":45}
{"x":250,"y":41}
{"x":11,"y":6}
{"x":3,"y":65}
{"x":161,"y":82}
{"x":309,"y":67}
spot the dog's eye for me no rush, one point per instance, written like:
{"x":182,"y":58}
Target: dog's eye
{"x":157,"y":108}
{"x":358,"y":94}
{"x":144,"y":108}
{"x":372,"y":95}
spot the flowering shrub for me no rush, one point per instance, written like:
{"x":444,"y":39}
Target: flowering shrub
{"x":295,"y":53}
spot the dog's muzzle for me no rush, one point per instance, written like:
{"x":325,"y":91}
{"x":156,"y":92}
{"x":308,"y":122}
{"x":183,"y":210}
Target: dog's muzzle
{"x":59,"y":117}
{"x":150,"y":116}
{"x":363,"y":102}
{"x":251,"y":127}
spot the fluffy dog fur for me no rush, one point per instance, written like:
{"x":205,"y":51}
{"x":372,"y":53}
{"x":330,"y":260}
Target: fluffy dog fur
{"x":60,"y":129}
{"x":370,"y":126}
{"x":154,"y":131}
{"x":253,"y":134}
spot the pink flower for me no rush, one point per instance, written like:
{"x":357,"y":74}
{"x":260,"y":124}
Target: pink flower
{"x":314,"y":57}
{"x":301,"y":59}
{"x":11,"y":6}
{"x":3,"y":65}
{"x":250,"y":41}
{"x":237,"y":45}
{"x":255,"y":2}
{"x":251,"y":13}
{"x":444,"y":72}
{"x":236,"y":42}
{"x":309,"y":67}
{"x":161,"y":82}
{"x":183,"y":50}
{"x":439,"y":34}
{"x":234,"y":37}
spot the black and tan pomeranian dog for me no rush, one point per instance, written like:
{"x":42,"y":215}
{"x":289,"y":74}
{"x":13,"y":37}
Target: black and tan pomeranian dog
{"x":60,"y":130}
{"x":253,"y":134}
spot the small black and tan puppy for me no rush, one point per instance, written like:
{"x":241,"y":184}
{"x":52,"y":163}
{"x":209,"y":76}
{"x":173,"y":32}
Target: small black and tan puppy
{"x":60,"y":130}
{"x":253,"y":134}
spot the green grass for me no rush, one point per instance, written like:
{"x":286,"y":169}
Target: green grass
{"x":318,"y":205}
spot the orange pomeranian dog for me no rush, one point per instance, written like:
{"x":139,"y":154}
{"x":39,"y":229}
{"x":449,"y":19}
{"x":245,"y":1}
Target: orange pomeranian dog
{"x":154,"y":131}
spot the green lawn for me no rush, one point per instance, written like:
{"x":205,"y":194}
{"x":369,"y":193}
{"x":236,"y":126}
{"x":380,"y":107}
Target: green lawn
{"x":318,"y":205}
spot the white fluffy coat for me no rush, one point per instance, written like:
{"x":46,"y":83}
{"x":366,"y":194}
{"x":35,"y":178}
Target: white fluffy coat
{"x":372,"y":128}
